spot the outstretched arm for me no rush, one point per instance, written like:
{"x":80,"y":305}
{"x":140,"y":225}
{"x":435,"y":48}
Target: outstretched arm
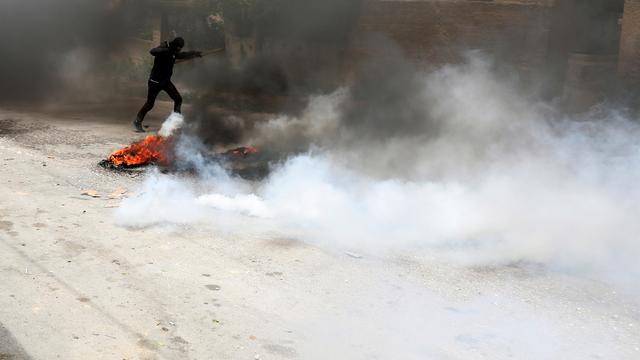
{"x":188,"y":55}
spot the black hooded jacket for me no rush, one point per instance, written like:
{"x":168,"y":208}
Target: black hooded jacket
{"x":165,"y":58}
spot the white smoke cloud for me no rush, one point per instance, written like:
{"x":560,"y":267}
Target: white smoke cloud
{"x":173,"y":123}
{"x":500,"y":179}
{"x":250,"y":204}
{"x":492,"y":178}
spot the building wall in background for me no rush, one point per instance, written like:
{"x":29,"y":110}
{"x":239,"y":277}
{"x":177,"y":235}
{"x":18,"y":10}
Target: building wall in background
{"x":535,"y":36}
{"x":439,"y":31}
{"x":630,"y":42}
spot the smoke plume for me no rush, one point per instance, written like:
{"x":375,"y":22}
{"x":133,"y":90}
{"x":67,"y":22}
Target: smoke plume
{"x":457,"y":165}
{"x":289,"y":50}
{"x":503,"y":179}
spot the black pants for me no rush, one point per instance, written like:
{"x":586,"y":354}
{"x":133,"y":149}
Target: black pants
{"x":154,"y":90}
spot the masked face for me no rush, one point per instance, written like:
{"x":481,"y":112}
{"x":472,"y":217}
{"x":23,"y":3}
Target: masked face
{"x":177,"y":44}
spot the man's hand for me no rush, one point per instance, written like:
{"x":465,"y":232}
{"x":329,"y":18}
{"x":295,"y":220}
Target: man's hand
{"x":198,"y":53}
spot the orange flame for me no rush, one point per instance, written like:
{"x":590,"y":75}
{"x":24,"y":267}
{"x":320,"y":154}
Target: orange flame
{"x":156,"y":149}
{"x":152,"y":150}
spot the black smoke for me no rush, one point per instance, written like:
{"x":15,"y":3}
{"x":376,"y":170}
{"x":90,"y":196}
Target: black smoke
{"x":386,"y":98}
{"x":297,"y":48}
{"x":38,"y":34}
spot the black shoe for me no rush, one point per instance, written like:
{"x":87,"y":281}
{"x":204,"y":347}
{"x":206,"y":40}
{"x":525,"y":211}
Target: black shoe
{"x":137,"y":124}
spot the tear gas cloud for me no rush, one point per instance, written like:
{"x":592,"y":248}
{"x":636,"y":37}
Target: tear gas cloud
{"x":489,"y":177}
{"x":458,"y":165}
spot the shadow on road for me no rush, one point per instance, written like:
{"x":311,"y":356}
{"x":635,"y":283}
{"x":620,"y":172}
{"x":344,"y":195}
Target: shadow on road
{"x":9,"y":347}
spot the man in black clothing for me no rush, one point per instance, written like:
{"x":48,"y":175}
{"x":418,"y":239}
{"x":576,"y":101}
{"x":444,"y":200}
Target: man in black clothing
{"x":165,"y":57}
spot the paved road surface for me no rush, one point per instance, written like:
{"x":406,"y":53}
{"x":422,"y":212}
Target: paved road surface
{"x":76,"y":286}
